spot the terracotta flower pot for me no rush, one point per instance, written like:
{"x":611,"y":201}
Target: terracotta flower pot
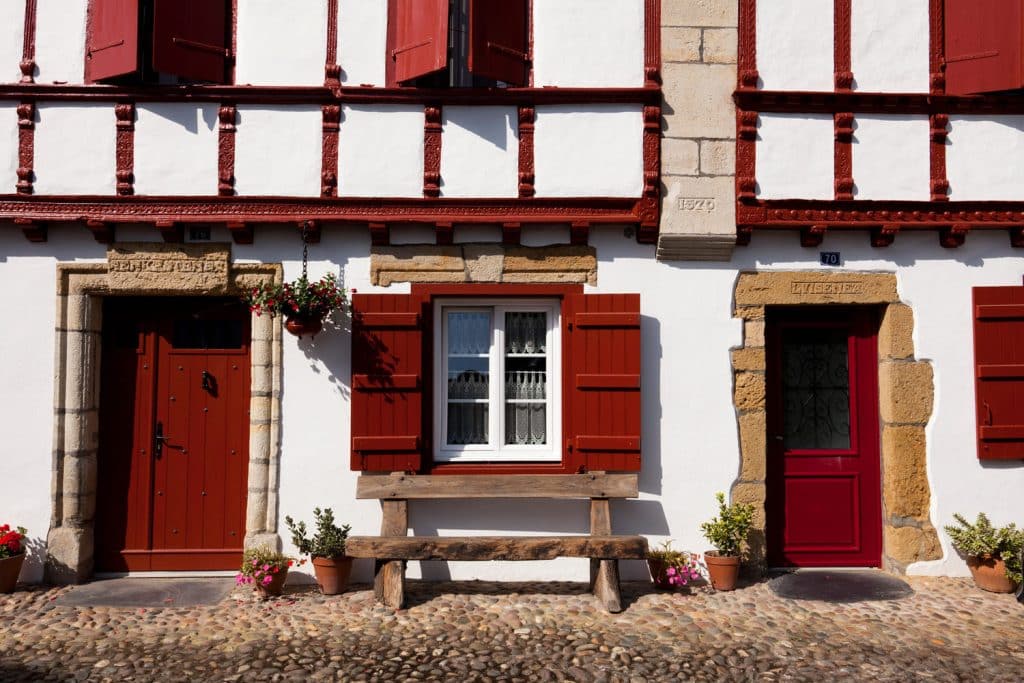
{"x":723,"y":569}
{"x":10,"y":568}
{"x":990,"y":574}
{"x":657,"y":568}
{"x":276,"y":585}
{"x":300,"y":325}
{"x":332,"y":573}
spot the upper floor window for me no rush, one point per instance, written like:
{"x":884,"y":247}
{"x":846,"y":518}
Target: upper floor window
{"x":984,"y":46}
{"x":458,"y":43}
{"x":158,"y":41}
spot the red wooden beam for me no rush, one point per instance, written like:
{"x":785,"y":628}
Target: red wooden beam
{"x":432,"y":151}
{"x":26,"y":146}
{"x":227,"y":115}
{"x":125,"y":147}
{"x":329,"y":160}
{"x":28,"y":52}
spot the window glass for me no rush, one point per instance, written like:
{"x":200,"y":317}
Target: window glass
{"x":815,"y":389}
{"x":468,"y":362}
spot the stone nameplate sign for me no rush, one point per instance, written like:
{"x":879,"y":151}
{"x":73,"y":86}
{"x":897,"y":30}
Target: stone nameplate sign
{"x":846,"y":287}
{"x":195,"y":268}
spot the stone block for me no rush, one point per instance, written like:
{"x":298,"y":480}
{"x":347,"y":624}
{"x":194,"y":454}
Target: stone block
{"x":751,"y":493}
{"x":753,"y":333}
{"x":698,"y":100}
{"x":416,"y":263}
{"x":259,"y":539}
{"x":717,"y":157}
{"x":907,"y":544}
{"x":699,"y":206}
{"x":699,"y":247}
{"x":679,"y":44}
{"x":753,"y":446}
{"x":155,"y":267}
{"x":896,"y":333}
{"x":69,"y":556}
{"x":749,"y":312}
{"x":260,"y":409}
{"x":906,"y":392}
{"x":574,"y":263}
{"x":749,"y":393}
{"x":679,"y":156}
{"x":699,"y":12}
{"x":719,"y":46}
{"x":484,"y":262}
{"x":905,"y":475}
{"x":751,"y":358}
{"x":815,"y":287}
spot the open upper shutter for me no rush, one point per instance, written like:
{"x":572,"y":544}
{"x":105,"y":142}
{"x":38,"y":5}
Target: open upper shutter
{"x":999,"y":371}
{"x":984,"y":46}
{"x":499,"y":40}
{"x":418,"y":37}
{"x":190,"y":39}
{"x":603,"y":393}
{"x":112,"y":43}
{"x":387,"y":381}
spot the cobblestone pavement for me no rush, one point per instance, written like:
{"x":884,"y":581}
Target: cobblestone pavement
{"x":947,"y":631}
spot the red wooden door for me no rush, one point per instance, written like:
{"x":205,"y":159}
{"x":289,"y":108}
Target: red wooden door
{"x":824,"y":491}
{"x":174,"y":432}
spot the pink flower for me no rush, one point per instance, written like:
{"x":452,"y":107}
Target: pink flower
{"x":267,"y":579}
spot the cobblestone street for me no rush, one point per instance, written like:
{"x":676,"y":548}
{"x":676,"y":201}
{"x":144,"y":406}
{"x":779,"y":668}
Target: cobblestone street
{"x":947,"y":631}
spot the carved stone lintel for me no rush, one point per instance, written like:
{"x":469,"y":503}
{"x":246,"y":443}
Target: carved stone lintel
{"x":812,"y":236}
{"x":241,"y":232}
{"x":33,"y":230}
{"x":444,"y":233}
{"x":579,"y":233}
{"x":379,"y":234}
{"x":511,"y":233}
{"x":102,"y":231}
{"x":953,"y":236}
{"x":171,"y":232}
{"x":884,"y":236}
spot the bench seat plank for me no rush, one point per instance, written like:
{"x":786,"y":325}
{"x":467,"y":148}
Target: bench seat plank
{"x":411,"y":486}
{"x":496,"y":547}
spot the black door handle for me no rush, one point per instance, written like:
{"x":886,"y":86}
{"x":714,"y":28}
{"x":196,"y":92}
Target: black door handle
{"x":158,"y":439}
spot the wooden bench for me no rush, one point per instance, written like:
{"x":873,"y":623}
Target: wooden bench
{"x":393,"y":548}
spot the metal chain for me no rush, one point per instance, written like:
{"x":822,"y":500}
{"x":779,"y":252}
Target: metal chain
{"x":305,"y":248}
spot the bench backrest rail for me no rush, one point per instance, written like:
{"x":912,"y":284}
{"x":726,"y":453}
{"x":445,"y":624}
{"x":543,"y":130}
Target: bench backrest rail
{"x":413,"y":486}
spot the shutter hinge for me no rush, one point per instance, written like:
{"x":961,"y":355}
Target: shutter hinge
{"x":570,"y":327}
{"x":568,"y":445}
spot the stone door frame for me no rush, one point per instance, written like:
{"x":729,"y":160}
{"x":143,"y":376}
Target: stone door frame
{"x":906,"y":397}
{"x":148,"y":269}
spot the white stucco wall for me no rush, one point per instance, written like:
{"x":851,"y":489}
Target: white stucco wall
{"x":12,"y":39}
{"x":588,"y":43}
{"x":588,"y":151}
{"x":60,"y":41}
{"x":362,"y":41}
{"x":795,"y":156}
{"x":985,"y":158}
{"x":176,"y":149}
{"x":889,"y":45}
{"x":795,"y":45}
{"x":8,"y":147}
{"x":278,"y":150}
{"x":480,"y":152}
{"x":891,"y":157}
{"x":281,"y":43}
{"x":689,"y":426}
{"x":380,"y":151}
{"x":68,"y":162}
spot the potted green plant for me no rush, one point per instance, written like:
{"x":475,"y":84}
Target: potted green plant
{"x":303,"y":304}
{"x":671,"y":568}
{"x":992,"y":553}
{"x":326,"y":548}
{"x":265,"y":569}
{"x":12,"y":556}
{"x":727,"y":532}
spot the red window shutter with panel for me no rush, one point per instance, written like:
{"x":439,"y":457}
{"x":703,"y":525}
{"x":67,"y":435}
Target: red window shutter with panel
{"x":984,"y":46}
{"x":112,"y":44}
{"x":999,"y":371}
{"x":190,"y":39}
{"x":602,"y":397}
{"x":388,"y":337}
{"x":418,"y":38}
{"x":499,"y":40}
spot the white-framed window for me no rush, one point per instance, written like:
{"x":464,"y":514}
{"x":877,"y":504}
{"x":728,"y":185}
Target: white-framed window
{"x":498,"y":372}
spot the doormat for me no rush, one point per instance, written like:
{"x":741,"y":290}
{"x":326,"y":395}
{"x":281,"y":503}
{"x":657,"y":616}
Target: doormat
{"x":136,"y":592}
{"x":840,"y":586}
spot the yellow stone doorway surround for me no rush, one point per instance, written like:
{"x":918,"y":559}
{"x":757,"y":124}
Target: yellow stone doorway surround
{"x":905,"y":399}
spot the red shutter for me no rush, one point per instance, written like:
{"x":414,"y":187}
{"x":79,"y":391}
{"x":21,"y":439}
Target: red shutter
{"x":499,"y":39}
{"x":190,"y":39}
{"x":418,"y":37}
{"x":112,"y":43}
{"x":602,"y":399}
{"x":984,"y":46}
{"x":388,"y":338}
{"x":999,"y":371}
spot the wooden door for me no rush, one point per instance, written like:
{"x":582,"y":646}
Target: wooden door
{"x":824,"y":490}
{"x":174,"y":433}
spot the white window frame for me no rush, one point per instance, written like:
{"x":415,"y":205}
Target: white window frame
{"x":496,"y":450}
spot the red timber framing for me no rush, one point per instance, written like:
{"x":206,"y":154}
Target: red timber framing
{"x":332,"y":69}
{"x":882,"y":220}
{"x":28,"y":52}
{"x":392,"y":414}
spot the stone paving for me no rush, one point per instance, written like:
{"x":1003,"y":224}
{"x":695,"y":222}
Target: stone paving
{"x":476,"y":631}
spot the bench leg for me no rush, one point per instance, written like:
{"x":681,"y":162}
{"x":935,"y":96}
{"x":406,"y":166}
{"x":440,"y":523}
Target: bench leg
{"x":606,"y":585}
{"x":389,"y":583}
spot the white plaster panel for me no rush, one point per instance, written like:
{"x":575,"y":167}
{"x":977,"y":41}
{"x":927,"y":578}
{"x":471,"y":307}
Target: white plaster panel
{"x":281,"y":43}
{"x":795,"y":45}
{"x":480,"y":152}
{"x":889,"y":45}
{"x":75,"y":149}
{"x":891,"y":157}
{"x":795,"y":156}
{"x":380,"y":151}
{"x":985,"y":158}
{"x":588,"y":43}
{"x":588,"y":151}
{"x":8,"y":147}
{"x":12,"y":39}
{"x":278,"y":150}
{"x":362,"y":41}
{"x":60,"y":41}
{"x":176,"y":149}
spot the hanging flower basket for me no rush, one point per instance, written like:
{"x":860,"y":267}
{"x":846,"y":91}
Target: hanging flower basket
{"x":304,"y":304}
{"x":301,"y":325}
